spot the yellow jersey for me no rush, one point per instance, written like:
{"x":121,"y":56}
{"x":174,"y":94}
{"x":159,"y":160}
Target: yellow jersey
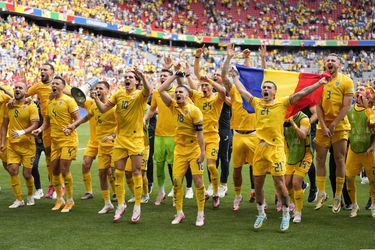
{"x":211,"y":108}
{"x":88,"y":104}
{"x":166,"y":123}
{"x":59,"y":111}
{"x":270,"y":119}
{"x":130,"y":110}
{"x":4,"y":99}
{"x":43,"y":92}
{"x":105,"y":124}
{"x":332,"y":99}
{"x":20,"y":118}
{"x":187,"y":117}
{"x":241,"y":119}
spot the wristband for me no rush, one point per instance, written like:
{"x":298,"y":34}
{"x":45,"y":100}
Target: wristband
{"x":180,"y":73}
{"x":20,"y":132}
{"x":198,"y":57}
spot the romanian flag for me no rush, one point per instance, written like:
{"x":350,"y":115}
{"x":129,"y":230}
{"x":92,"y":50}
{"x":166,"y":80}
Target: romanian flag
{"x":287,"y":84}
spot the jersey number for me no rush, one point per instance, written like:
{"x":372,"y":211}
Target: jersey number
{"x":180,"y":118}
{"x":207,"y":106}
{"x":16,"y":113}
{"x":264,"y":111}
{"x":329,"y":93}
{"x":125,"y":104}
{"x":278,"y":167}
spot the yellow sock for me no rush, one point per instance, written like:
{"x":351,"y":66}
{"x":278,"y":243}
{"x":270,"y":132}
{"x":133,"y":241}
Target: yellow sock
{"x":111,"y":179}
{"x":69,"y":185}
{"x":119,"y":184}
{"x":339,"y":186}
{"x":298,"y":199}
{"x":30,"y":185}
{"x":49,"y":169}
{"x":214,"y":178}
{"x":137,"y":189}
{"x":199,"y":192}
{"x":105,"y":194}
{"x":145,"y":184}
{"x":130,"y":182}
{"x":291,"y":195}
{"x":87,"y":181}
{"x":56,"y":180}
{"x":321,"y":183}
{"x":237,"y":190}
{"x":351,"y":187}
{"x":16,"y":186}
{"x":177,"y":191}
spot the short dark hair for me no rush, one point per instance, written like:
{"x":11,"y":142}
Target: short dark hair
{"x":185,"y":87}
{"x":106,"y":84}
{"x":274,"y":84}
{"x":60,"y":78}
{"x":335,"y":55}
{"x":50,"y":65}
{"x":167,"y":70}
{"x":135,"y":75}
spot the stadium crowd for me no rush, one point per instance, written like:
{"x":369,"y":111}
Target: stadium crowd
{"x":194,"y":115}
{"x":314,"y":20}
{"x":25,"y":45}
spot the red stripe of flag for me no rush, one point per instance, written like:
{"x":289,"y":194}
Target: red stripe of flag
{"x":312,"y":99}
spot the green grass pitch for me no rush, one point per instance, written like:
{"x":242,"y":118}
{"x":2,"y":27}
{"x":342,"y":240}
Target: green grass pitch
{"x":38,"y":227}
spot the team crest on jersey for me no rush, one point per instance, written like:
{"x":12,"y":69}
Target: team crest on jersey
{"x":186,"y":112}
{"x":337,"y":83}
{"x":60,"y":102}
{"x":24,"y":106}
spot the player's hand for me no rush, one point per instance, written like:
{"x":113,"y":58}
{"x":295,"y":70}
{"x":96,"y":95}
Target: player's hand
{"x":2,"y":148}
{"x":246,"y":53}
{"x":167,"y":62}
{"x":323,"y":81}
{"x":326,"y":131}
{"x":187,"y":69}
{"x":139,"y":73}
{"x":199,"y":52}
{"x":94,"y":95}
{"x":263,"y":50}
{"x":68,"y":129}
{"x":17,"y":133}
{"x":332,"y":127}
{"x":230,"y":51}
{"x":11,"y":103}
{"x":36,"y":132}
{"x":204,"y":79}
{"x":233,"y":72}
{"x":108,"y":138}
{"x":371,"y":149}
{"x":52,"y":96}
{"x":177,"y":66}
{"x":200,"y":159}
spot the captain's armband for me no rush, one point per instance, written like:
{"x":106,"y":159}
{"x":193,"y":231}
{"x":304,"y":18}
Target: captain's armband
{"x":199,"y":127}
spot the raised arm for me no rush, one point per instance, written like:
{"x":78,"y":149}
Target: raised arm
{"x":198,"y":54}
{"x":246,"y":55}
{"x":6,"y":92}
{"x":220,"y":89}
{"x":146,"y":86}
{"x":262,"y":54}
{"x":241,"y":89}
{"x":163,"y":90}
{"x":304,"y":92}
{"x":225,"y":70}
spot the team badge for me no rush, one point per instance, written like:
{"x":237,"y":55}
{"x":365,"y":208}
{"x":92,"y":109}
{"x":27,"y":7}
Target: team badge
{"x":186,"y":112}
{"x":60,"y":102}
{"x":337,"y":83}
